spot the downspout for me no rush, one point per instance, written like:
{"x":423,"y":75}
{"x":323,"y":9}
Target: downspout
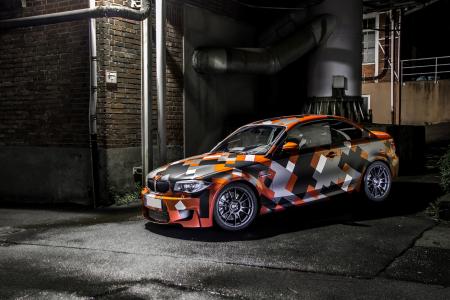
{"x":400,"y":71}
{"x":269,"y":60}
{"x":146,"y":96}
{"x":392,"y":67}
{"x":93,"y":109}
{"x":161,"y":77}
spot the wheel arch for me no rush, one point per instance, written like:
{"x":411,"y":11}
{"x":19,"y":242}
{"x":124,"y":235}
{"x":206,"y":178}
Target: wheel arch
{"x":237,"y":181}
{"x":363,"y":174}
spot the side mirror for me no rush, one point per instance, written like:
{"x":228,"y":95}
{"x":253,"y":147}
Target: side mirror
{"x":290,"y":147}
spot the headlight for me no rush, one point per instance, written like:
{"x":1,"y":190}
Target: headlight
{"x":190,"y":186}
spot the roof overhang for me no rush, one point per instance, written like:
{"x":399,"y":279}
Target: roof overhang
{"x":385,"y":5}
{"x":369,"y":5}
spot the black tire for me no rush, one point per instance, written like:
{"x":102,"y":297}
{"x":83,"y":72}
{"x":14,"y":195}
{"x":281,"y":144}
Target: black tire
{"x":236,"y":207}
{"x":377,"y":182}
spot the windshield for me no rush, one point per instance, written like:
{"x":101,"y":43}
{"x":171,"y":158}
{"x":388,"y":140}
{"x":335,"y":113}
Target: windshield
{"x":250,"y":140}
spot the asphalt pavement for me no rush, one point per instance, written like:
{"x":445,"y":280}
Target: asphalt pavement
{"x":336,"y":249}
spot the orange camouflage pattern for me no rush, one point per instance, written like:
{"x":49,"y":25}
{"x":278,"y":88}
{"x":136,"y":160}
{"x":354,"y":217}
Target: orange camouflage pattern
{"x":278,"y":183}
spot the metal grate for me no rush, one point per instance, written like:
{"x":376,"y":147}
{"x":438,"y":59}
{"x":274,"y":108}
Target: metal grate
{"x":159,"y":187}
{"x":160,"y":216}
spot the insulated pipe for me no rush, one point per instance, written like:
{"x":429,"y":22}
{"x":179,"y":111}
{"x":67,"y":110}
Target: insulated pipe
{"x":80,"y":14}
{"x":268,"y":60}
{"x":161,"y":77}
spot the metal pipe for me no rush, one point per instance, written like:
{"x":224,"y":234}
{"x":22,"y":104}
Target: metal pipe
{"x":161,"y":77}
{"x":146,"y":96}
{"x":392,"y":67}
{"x":80,"y":14}
{"x":399,"y":66}
{"x":424,"y":5}
{"x":93,"y":109}
{"x":268,"y":60}
{"x":283,"y":28}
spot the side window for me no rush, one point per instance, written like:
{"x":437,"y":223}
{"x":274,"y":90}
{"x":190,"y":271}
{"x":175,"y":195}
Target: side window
{"x":343,"y":131}
{"x":310,"y":135}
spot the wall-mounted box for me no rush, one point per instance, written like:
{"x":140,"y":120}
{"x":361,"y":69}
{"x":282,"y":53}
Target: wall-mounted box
{"x":111,"y":77}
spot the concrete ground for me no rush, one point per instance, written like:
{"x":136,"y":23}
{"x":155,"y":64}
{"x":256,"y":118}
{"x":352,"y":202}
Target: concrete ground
{"x":337,"y":249}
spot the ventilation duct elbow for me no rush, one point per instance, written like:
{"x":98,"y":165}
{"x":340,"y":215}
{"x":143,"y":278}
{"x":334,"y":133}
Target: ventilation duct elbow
{"x":269,"y":60}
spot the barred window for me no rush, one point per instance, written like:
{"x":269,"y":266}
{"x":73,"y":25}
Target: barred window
{"x":369,"y":41}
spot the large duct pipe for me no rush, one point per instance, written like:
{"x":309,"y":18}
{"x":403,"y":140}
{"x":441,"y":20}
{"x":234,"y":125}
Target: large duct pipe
{"x":341,"y":54}
{"x":80,"y":14}
{"x":268,"y":60}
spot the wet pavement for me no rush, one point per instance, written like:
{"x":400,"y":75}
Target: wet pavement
{"x":339,"y":248}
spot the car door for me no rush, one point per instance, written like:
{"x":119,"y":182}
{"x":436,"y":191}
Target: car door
{"x":345,"y":140}
{"x":305,"y":173}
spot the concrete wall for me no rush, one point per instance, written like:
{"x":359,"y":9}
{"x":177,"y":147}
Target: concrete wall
{"x":116,"y":171}
{"x":423,"y":102}
{"x":45,"y":174}
{"x":426,"y":102}
{"x":213,"y":105}
{"x":380,"y":101}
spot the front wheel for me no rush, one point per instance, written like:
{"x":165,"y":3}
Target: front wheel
{"x":236,"y":207}
{"x":377,"y":182}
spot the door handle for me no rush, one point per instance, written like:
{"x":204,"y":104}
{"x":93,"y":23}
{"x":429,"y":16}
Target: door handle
{"x":331,"y":154}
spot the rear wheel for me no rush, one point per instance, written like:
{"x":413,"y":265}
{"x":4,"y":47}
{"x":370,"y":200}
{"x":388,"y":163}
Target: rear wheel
{"x":377,"y":182}
{"x":236,"y":207}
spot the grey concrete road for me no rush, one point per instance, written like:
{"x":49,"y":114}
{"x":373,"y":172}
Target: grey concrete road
{"x":337,"y":249}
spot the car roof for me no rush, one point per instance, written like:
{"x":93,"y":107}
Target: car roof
{"x":290,"y":121}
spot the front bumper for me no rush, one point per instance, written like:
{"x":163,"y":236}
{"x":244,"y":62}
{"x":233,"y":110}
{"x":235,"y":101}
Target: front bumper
{"x":185,"y":210}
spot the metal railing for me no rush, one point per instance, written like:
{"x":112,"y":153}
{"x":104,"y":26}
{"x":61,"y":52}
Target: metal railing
{"x":425,"y":69}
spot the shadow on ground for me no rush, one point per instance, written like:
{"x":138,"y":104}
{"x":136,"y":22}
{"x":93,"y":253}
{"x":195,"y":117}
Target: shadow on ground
{"x":406,"y":199}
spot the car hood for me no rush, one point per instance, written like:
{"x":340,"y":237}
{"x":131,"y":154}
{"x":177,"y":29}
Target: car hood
{"x":204,"y":165}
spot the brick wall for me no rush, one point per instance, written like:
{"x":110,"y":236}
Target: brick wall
{"x":44,"y":79}
{"x":368,"y":70}
{"x":44,"y":87}
{"x":118,"y":43}
{"x":119,"y":50}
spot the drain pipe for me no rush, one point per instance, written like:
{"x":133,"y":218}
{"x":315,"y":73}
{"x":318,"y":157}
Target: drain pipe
{"x":146,"y":96}
{"x":93,"y":109}
{"x":268,"y":60}
{"x":161,"y":77}
{"x":391,"y":16}
{"x":80,"y":14}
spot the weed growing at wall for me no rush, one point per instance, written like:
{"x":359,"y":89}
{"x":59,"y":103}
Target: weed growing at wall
{"x":444,"y":167}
